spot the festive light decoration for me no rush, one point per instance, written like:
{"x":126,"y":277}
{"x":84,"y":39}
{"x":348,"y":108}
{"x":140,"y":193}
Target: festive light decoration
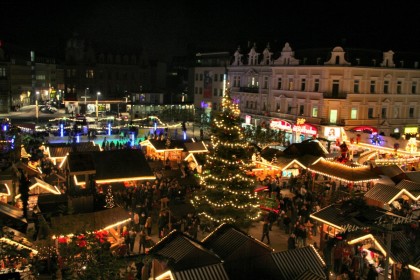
{"x":109,"y":199}
{"x":227,"y":193}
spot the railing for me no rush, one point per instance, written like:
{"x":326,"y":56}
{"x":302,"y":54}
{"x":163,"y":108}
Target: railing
{"x":249,"y":89}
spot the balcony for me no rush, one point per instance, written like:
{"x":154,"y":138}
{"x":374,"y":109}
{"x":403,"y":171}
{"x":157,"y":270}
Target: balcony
{"x":249,"y":89}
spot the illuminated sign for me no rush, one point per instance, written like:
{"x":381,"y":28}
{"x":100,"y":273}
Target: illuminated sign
{"x":305,"y":129}
{"x":332,"y":133}
{"x":280,"y":124}
{"x":410,"y":130}
{"x":248,"y":119}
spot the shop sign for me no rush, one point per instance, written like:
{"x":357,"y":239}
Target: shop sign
{"x":410,"y":130}
{"x":280,"y":124}
{"x":248,"y":119}
{"x":305,"y":129}
{"x":332,"y":133}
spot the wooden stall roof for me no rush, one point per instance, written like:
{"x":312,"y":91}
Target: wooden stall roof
{"x":161,"y":145}
{"x":196,"y":147}
{"x":227,"y":241}
{"x":57,"y":150}
{"x":413,"y":176}
{"x":43,"y":186}
{"x":392,"y":171}
{"x":183,"y":252}
{"x":117,"y":166}
{"x":80,"y":223}
{"x":26,"y":168}
{"x":343,"y":172}
{"x":382,"y":193}
{"x":81,"y":163}
{"x":410,"y":186}
{"x":215,"y":271}
{"x":400,"y":244}
{"x":12,"y":217}
{"x":292,"y":263}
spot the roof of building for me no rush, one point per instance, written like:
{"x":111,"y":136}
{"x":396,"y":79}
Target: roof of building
{"x":195,"y":147}
{"x":12,"y":217}
{"x":55,"y":150}
{"x":413,"y":176}
{"x":343,"y":172}
{"x":215,"y":271}
{"x":410,"y":186}
{"x":115,"y":165}
{"x":230,"y":243}
{"x":79,"y":223}
{"x":382,"y":193}
{"x":293,"y":263}
{"x":183,"y":253}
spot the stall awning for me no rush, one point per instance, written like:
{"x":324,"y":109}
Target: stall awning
{"x":343,"y":172}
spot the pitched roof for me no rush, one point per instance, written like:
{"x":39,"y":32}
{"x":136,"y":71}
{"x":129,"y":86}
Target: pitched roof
{"x":343,"y":172}
{"x":12,"y":217}
{"x":305,"y":148}
{"x":339,"y":218}
{"x":382,"y":193}
{"x":293,"y":263}
{"x":62,"y":149}
{"x":227,"y":241}
{"x":309,"y":275}
{"x":161,"y":145}
{"x":209,"y":272}
{"x":410,"y":186}
{"x":114,"y":166}
{"x":88,"y":221}
{"x":401,"y":246}
{"x":182,"y":252}
{"x":196,"y":147}
{"x":413,"y":176}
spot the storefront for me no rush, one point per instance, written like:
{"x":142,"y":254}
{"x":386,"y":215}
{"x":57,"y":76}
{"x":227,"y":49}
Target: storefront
{"x":304,"y":131}
{"x":283,"y":125}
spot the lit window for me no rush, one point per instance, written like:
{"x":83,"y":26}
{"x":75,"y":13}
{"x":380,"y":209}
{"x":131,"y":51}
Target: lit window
{"x":353,"y":114}
{"x":315,"y":111}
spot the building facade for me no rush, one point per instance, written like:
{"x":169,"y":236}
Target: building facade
{"x":26,"y":77}
{"x":344,"y":90}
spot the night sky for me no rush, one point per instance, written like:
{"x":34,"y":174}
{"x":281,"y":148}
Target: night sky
{"x":167,"y":28}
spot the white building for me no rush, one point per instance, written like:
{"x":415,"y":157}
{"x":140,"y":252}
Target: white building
{"x":344,"y":91}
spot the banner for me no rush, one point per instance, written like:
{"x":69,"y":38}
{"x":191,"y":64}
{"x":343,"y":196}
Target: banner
{"x":208,"y":85}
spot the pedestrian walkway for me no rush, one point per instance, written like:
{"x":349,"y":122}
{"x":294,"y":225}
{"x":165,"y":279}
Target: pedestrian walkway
{"x":278,"y":238}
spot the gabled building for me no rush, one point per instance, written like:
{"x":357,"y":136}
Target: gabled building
{"x":350,"y":88}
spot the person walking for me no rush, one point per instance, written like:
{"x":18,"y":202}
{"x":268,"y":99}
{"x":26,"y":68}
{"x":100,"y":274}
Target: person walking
{"x":142,"y":241}
{"x":266,"y":232}
{"x":286,"y":223}
{"x":132,"y":238}
{"x":148,"y":225}
{"x":291,"y":242}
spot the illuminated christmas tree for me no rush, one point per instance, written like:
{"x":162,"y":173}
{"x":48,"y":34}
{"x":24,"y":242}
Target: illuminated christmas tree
{"x":227,"y":193}
{"x":109,"y":198}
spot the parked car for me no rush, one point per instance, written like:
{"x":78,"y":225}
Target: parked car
{"x":48,"y":109}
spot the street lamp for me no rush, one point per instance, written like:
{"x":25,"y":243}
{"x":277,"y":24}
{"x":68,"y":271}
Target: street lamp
{"x":36,"y":106}
{"x":97,"y":105}
{"x":86,"y":96}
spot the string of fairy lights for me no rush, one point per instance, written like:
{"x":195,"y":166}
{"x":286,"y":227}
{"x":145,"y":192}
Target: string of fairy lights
{"x":212,"y":159}
{"x":230,"y":203}
{"x":235,"y":186}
